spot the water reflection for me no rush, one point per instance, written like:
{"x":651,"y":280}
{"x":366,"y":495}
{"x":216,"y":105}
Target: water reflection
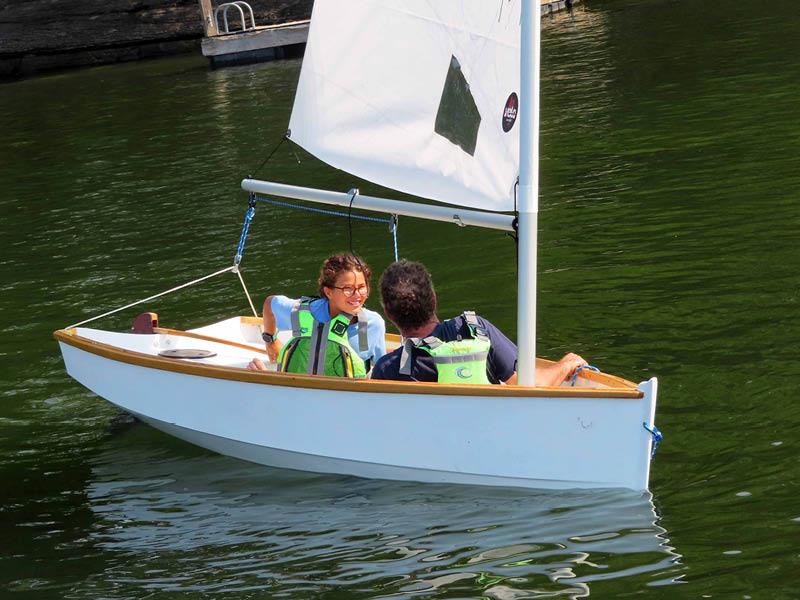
{"x":175,"y":518}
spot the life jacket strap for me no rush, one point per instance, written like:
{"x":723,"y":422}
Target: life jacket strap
{"x":478,"y":331}
{"x":318,"y":348}
{"x":301,"y":304}
{"x":405,"y":356}
{"x":363,"y":341}
{"x":431,"y":342}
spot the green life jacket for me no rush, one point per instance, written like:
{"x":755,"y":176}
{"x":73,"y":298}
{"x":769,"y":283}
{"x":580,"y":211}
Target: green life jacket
{"x":322,"y":348}
{"x":459,"y":361}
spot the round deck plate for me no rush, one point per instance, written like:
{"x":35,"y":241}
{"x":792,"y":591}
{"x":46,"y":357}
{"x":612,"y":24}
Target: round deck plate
{"x":187,"y":353}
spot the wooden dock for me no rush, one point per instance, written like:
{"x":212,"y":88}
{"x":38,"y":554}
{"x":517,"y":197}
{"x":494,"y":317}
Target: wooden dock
{"x":557,"y":5}
{"x":256,"y":44}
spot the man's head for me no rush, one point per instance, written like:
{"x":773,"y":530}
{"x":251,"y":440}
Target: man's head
{"x":407,"y":295}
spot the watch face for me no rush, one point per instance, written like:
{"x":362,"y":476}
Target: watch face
{"x":268,"y":337}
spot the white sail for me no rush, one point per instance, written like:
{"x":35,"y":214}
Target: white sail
{"x":419,"y":96}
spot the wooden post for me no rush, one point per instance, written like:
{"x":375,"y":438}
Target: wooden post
{"x":208,"y":18}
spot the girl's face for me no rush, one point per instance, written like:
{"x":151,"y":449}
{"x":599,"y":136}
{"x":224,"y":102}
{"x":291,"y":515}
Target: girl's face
{"x":348,"y":294}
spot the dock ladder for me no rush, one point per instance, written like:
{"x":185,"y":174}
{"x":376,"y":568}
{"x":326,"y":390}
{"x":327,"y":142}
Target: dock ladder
{"x":238,"y":4}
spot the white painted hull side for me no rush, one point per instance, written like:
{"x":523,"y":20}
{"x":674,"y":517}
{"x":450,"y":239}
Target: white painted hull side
{"x":537,"y":442}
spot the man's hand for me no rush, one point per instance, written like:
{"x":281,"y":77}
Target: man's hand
{"x":257,"y":365}
{"x":556,"y":373}
{"x":572,"y":362}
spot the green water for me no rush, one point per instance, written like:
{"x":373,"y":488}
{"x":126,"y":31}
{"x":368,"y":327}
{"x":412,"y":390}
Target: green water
{"x":670,"y":212}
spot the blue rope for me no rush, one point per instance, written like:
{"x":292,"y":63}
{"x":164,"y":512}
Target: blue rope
{"x":394,"y":234}
{"x":579,"y":369}
{"x":323,"y":211}
{"x":251,"y":211}
{"x":657,"y":437}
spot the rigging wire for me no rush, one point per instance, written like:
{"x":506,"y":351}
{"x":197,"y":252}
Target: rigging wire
{"x":246,"y":293}
{"x":274,"y":150}
{"x":116,"y":310}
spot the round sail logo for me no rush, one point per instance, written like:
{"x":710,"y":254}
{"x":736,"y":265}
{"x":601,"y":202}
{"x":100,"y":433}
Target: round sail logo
{"x":510,"y":112}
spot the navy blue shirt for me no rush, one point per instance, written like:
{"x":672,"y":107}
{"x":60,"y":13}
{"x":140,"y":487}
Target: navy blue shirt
{"x":500,"y":366}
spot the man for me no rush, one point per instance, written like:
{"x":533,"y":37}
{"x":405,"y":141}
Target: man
{"x":449,"y":350}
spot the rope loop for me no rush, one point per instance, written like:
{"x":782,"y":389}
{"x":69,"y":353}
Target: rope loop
{"x":657,"y":437}
{"x":579,"y":369}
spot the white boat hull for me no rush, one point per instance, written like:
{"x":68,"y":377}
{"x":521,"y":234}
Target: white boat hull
{"x":583,"y":437}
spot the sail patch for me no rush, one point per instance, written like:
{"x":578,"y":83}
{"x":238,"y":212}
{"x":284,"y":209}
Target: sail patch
{"x":458,"y":119}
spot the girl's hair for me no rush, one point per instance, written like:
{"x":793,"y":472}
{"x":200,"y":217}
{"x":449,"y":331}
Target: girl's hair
{"x":336,"y":265}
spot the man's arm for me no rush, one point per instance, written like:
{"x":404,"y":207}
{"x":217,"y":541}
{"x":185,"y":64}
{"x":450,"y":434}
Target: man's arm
{"x":554,"y":374}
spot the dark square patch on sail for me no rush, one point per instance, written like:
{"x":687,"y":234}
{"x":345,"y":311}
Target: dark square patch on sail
{"x":458,"y":118}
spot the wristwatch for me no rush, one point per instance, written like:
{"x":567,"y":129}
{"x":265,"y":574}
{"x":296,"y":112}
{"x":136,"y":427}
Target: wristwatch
{"x":268,"y":337}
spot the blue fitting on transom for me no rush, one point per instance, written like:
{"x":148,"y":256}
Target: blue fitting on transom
{"x":657,"y":437}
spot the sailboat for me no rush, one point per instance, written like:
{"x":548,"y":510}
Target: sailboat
{"x":438,"y":100}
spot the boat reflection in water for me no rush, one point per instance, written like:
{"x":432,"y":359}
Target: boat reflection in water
{"x":215,"y":523}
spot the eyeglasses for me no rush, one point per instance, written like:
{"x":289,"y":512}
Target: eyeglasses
{"x":349,"y":290}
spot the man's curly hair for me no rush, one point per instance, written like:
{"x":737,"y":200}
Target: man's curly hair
{"x":407,"y":294}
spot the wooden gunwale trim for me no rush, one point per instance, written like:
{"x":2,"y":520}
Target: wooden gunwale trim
{"x":393,"y":337}
{"x":71,"y":338}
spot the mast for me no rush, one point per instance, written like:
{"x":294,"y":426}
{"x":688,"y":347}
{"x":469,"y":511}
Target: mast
{"x":528,"y":198}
